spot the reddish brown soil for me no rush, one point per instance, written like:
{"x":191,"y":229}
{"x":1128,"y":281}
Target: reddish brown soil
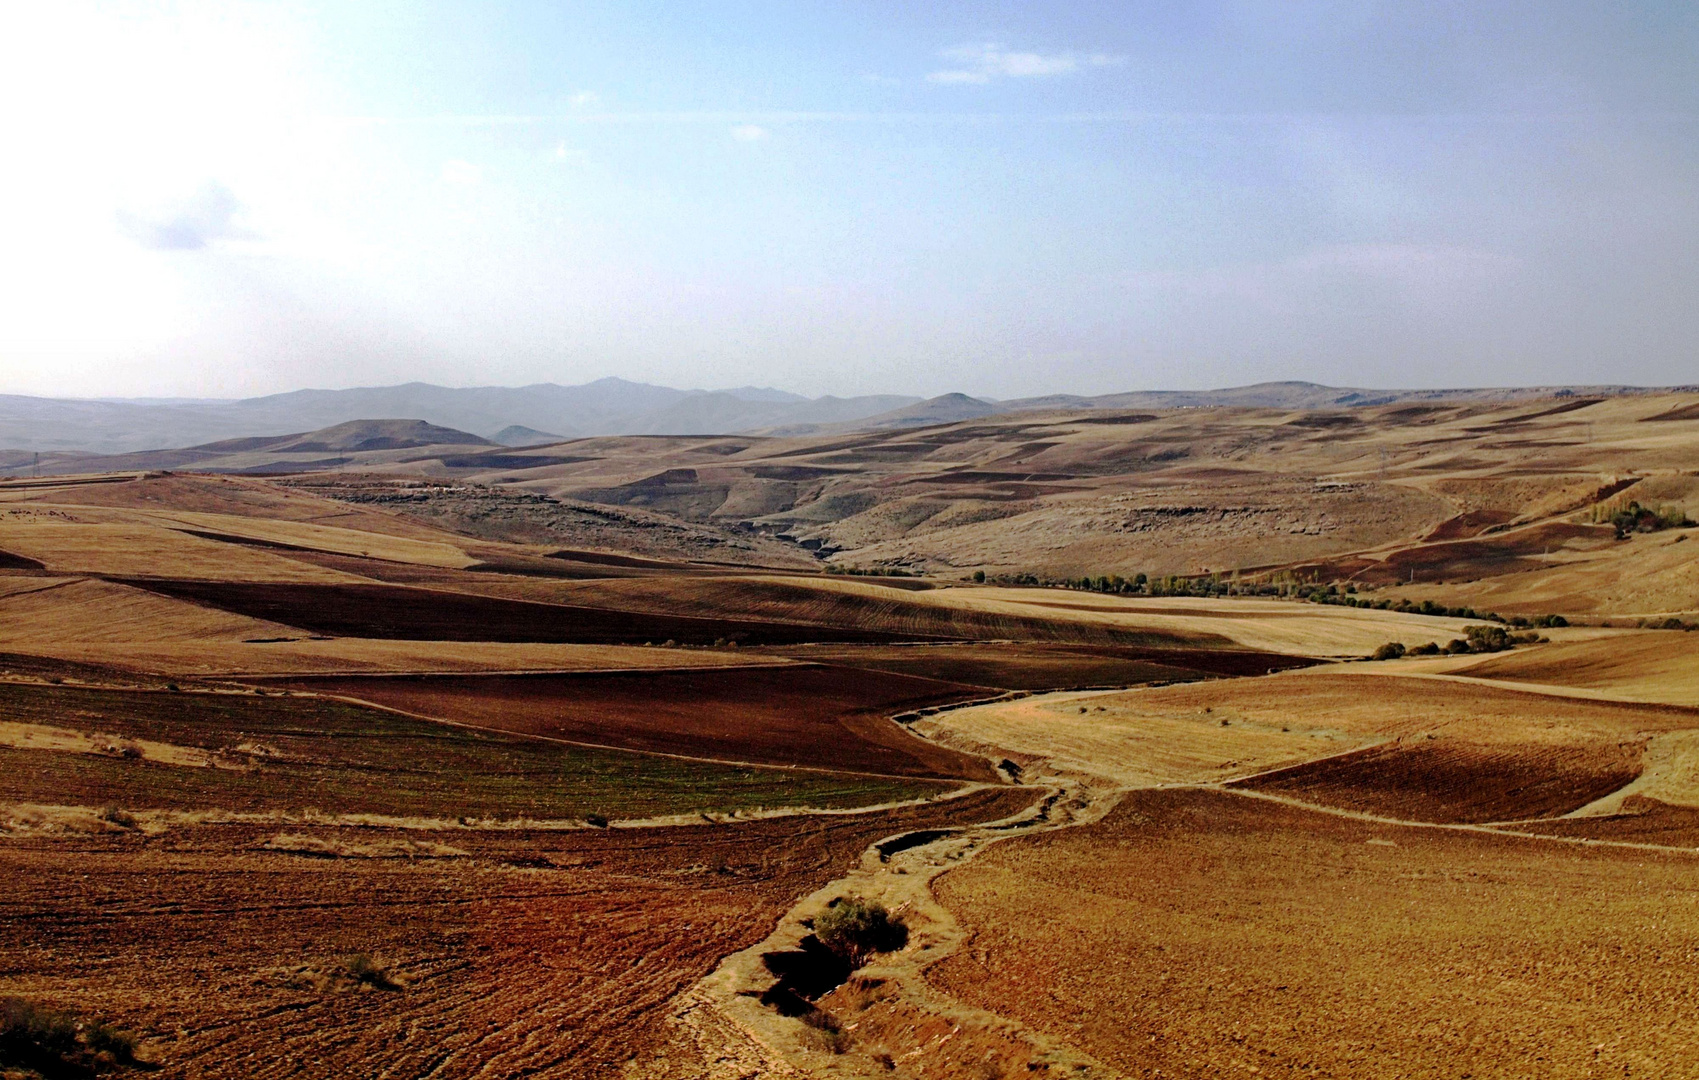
{"x":1195,"y":933}
{"x":332,"y":756}
{"x":1643,"y":820}
{"x":540,"y":954}
{"x":1041,"y":666}
{"x":1470,"y":524}
{"x":1449,"y":780}
{"x":803,"y":714}
{"x":1463,"y":560}
{"x":393,"y":611}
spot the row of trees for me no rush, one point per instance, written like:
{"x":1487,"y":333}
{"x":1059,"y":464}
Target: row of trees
{"x":1475,"y":639}
{"x":1631,"y":517}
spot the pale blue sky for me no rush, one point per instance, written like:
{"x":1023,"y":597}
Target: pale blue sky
{"x":223,"y":199}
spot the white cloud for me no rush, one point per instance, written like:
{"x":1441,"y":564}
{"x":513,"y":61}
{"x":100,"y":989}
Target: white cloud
{"x":186,"y":224}
{"x":584,"y":99}
{"x":461,"y":173}
{"x":979,"y":64}
{"x":749,"y":133}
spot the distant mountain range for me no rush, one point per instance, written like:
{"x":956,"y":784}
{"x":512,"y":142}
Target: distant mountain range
{"x":546,"y":412}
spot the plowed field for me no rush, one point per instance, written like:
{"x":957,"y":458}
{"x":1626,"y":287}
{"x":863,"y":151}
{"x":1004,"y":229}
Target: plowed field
{"x":395,"y":611}
{"x":290,"y":754}
{"x":543,"y":954}
{"x":1198,"y":933}
{"x":1039,"y":666}
{"x":1449,"y":780}
{"x":801,"y":714}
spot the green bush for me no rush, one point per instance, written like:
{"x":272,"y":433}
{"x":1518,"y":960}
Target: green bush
{"x":856,"y":930}
{"x":1392,"y":650}
{"x":1487,"y":638}
{"x":1430,"y":649}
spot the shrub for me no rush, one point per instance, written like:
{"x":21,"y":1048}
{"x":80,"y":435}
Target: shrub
{"x":856,"y":930}
{"x":979,"y":577}
{"x":368,"y":972}
{"x":1392,"y":650}
{"x":40,"y":1042}
{"x":121,"y":818}
{"x":1487,"y":638}
{"x":1457,"y":646}
{"x":596,"y":820}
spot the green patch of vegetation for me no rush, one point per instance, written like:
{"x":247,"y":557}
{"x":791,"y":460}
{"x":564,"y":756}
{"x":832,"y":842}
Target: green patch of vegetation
{"x":1631,"y":517}
{"x":869,"y":571}
{"x":37,"y":1042}
{"x":857,"y":930}
{"x":289,"y":754}
{"x":1487,"y":639}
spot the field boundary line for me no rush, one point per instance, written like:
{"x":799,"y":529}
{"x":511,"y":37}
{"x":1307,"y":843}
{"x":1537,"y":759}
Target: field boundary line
{"x":1482,"y":829}
{"x":1574,"y":693}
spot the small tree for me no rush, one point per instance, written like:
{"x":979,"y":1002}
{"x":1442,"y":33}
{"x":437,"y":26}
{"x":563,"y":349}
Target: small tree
{"x":1392,"y":650}
{"x":857,"y":930}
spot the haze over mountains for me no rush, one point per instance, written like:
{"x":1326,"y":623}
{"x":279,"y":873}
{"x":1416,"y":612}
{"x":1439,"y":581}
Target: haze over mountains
{"x":546,"y":412}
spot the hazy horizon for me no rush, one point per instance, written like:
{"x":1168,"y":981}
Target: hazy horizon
{"x":227,"y":200}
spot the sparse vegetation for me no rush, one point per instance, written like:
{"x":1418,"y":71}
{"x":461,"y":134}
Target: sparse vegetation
{"x":37,"y":1042}
{"x":1631,"y":517}
{"x":115,"y":816}
{"x":366,"y":971}
{"x":858,"y":930}
{"x":1392,"y":650}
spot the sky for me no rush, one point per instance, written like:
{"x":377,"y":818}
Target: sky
{"x":231,"y":199}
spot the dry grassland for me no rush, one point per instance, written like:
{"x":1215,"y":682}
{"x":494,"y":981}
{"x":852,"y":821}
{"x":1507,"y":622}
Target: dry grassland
{"x":315,"y":537}
{"x":1638,"y":665}
{"x":43,"y":613}
{"x":1303,"y":629}
{"x":128,"y":550}
{"x":1198,"y":933}
{"x":1134,"y":739}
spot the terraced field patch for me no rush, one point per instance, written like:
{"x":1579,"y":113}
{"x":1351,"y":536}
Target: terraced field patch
{"x":813,"y":715}
{"x":276,"y":755}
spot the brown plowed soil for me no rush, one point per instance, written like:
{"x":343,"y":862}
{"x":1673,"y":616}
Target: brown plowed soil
{"x":858,"y":604}
{"x":394,"y":611}
{"x":1471,"y":523}
{"x":1643,"y":820}
{"x":1197,"y":933}
{"x":1451,"y":780}
{"x":279,"y":755}
{"x":547,"y":954}
{"x":1038,"y":666}
{"x":815,"y":715}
